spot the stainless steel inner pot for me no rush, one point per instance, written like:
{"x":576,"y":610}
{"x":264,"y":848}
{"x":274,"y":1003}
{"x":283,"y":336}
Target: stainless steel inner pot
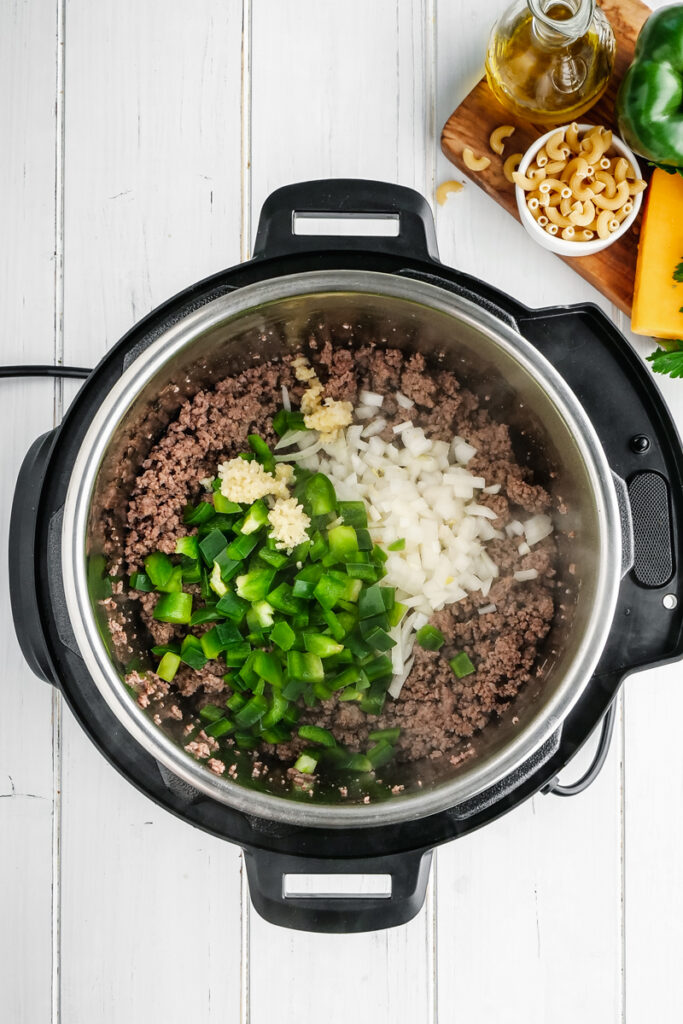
{"x":522,"y":389}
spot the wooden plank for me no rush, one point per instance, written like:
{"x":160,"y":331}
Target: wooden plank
{"x":28,"y":61}
{"x":311,"y":75}
{"x":653,"y":836}
{"x":514,"y":899}
{"x":612,"y":271}
{"x":653,"y":832}
{"x":152,"y":186}
{"x":531,"y":904}
{"x":351,"y":83}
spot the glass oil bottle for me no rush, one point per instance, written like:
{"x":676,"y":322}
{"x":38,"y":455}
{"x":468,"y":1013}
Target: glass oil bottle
{"x":550,"y":60}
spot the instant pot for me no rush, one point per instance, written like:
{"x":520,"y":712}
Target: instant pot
{"x":584,"y":413}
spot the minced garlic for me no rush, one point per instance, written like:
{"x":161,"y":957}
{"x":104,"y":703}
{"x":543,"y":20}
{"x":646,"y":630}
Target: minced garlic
{"x":244,"y":481}
{"x":302,"y":371}
{"x":289,"y":523}
{"x":328,"y":417}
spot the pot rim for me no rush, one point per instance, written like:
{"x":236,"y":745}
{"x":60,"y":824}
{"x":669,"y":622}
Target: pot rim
{"x":106,"y":678}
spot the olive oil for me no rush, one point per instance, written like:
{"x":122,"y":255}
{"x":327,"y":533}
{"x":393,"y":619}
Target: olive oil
{"x":550,"y":61}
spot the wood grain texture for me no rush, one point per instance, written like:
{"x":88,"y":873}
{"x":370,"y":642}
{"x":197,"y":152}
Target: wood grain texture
{"x":612,"y":271}
{"x":532,"y":903}
{"x":28,"y":760}
{"x":151,"y":913}
{"x":172,"y":125}
{"x":352,"y":100}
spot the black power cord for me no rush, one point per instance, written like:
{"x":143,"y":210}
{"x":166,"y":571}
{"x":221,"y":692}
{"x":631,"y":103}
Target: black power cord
{"x":554,"y":786}
{"x":596,"y":765}
{"x":45,"y":370}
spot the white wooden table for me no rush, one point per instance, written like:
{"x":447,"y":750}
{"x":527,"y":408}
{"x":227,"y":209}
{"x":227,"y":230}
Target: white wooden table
{"x":140,"y":138}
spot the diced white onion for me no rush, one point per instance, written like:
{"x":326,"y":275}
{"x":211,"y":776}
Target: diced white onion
{"x":524,"y":549}
{"x":286,"y":404}
{"x":375,"y":427}
{"x":302,"y":454}
{"x":514,"y":528}
{"x":371,"y":398}
{"x":404,"y":401}
{"x":463,"y":451}
{"x":420,"y":490}
{"x":537,"y":528}
{"x":294,"y":437}
{"x":522,"y":575}
{"x":398,"y":681}
{"x":481,"y":510}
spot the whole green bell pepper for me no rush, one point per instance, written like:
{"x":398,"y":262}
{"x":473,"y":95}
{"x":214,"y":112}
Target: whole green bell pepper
{"x":650,"y":99}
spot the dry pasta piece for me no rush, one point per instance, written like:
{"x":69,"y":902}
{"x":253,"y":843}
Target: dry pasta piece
{"x":557,"y":218}
{"x":595,"y":145}
{"x":568,"y":204}
{"x":580,"y":186}
{"x":533,"y":203}
{"x":554,"y":185}
{"x":554,"y":167}
{"x":511,"y":165}
{"x":541,"y":157}
{"x":543,"y":220}
{"x":474,"y":163}
{"x":536,"y":173}
{"x":528,"y":184}
{"x":575,"y":166}
{"x":568,"y":233}
{"x":572,"y":137}
{"x":584,"y":217}
{"x":606,"y":224}
{"x":552,"y":199}
{"x":636,"y":186}
{"x":498,"y":136}
{"x":556,"y":147}
{"x":608,"y":181}
{"x":552,"y":229}
{"x":446,"y":188}
{"x":625,"y":210}
{"x":585,"y":235}
{"x":620,"y":169}
{"x":605,"y":164}
{"x":605,"y":203}
{"x":597,"y":187}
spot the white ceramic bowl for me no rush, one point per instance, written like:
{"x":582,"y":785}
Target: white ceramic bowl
{"x":560,"y":245}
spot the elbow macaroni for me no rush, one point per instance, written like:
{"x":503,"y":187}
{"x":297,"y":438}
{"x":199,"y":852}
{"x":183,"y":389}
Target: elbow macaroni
{"x":498,"y":136}
{"x":575,"y":187}
{"x":474,"y":163}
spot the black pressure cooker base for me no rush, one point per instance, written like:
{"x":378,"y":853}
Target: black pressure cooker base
{"x":641,"y":445}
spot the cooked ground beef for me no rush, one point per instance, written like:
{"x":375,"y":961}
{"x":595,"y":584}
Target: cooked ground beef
{"x":437,"y":712}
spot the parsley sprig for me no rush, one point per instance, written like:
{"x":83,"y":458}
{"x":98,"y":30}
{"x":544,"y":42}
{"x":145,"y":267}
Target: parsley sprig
{"x":669,"y":358}
{"x":669,"y":361}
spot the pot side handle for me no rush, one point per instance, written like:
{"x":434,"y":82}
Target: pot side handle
{"x":24,"y":563}
{"x":396,"y":894}
{"x":403,"y":221}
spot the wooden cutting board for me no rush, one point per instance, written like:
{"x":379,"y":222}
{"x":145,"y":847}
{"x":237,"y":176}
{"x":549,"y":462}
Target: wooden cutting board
{"x":611,"y":271}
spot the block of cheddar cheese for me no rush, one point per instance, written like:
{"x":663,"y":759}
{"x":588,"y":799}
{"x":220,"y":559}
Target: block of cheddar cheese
{"x":657,"y":297}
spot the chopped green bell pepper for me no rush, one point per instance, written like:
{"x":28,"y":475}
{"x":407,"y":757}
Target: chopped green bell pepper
{"x":175,"y":608}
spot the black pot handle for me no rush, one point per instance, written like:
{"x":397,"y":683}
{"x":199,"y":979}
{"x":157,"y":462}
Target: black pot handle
{"x":346,"y":198}
{"x":408,"y":874}
{"x":23,"y":560}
